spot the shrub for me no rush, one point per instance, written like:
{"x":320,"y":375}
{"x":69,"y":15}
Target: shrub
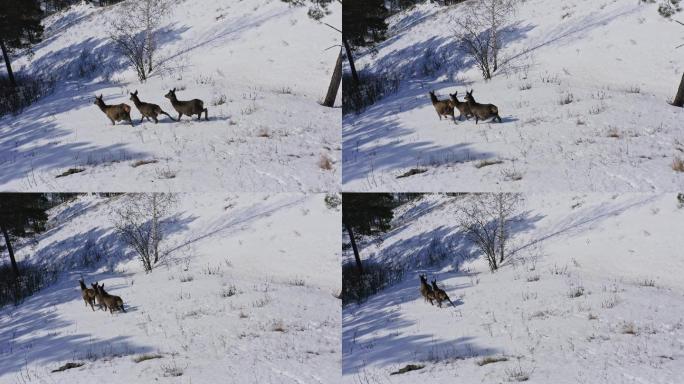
{"x":375,"y":278}
{"x":372,"y":87}
{"x":333,"y":200}
{"x":32,"y":278}
{"x":29,"y":89}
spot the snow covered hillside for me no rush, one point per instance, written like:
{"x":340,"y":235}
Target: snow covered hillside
{"x":584,"y":104}
{"x":595,"y":295}
{"x":245,"y":296}
{"x":260,"y":66}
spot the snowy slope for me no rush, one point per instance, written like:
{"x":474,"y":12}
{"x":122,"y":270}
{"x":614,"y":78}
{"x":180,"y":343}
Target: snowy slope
{"x":282,"y":325}
{"x":614,"y":59}
{"x":622,"y":252}
{"x":259,"y":66}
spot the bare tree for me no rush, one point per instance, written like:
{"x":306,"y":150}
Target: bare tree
{"x":479,"y":31}
{"x":134,"y":32}
{"x":138,"y":221}
{"x":485,"y":218}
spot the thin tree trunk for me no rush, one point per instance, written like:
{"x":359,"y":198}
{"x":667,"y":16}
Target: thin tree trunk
{"x":155,"y":229}
{"x":679,"y":99}
{"x":502,"y":238}
{"x":335,"y":82}
{"x":350,"y":58}
{"x":359,"y":266}
{"x":5,"y":57}
{"x":10,"y":250}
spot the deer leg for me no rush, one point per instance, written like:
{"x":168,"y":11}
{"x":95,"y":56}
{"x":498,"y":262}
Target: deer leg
{"x":141,"y":119}
{"x":179,"y":116}
{"x":155,"y":119}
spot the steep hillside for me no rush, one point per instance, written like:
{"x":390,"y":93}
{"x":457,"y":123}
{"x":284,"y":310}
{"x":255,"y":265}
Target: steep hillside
{"x":246,"y":295}
{"x":259,"y":66}
{"x":583,"y":101}
{"x":593,"y":296}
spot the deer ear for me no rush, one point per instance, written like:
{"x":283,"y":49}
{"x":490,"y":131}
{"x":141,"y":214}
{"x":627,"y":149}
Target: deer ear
{"x":174,"y":90}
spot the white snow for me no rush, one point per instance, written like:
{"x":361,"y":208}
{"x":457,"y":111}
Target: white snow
{"x":610,"y":246}
{"x":616,"y":58}
{"x":283,"y":325}
{"x":267,"y":60}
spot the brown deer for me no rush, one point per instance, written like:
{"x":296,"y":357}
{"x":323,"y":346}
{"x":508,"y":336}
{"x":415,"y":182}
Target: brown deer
{"x":87,"y":294}
{"x":189,"y":107}
{"x":481,"y":111}
{"x":117,"y":112}
{"x":443,"y":107}
{"x":462,"y":106}
{"x":426,"y":290}
{"x":111,"y":302}
{"x":98,"y":297}
{"x":147,"y":110}
{"x":440,"y":294}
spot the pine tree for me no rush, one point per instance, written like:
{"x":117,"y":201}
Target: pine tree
{"x":19,"y":28}
{"x":21,"y":215}
{"x":365,"y":213}
{"x":363,"y":24}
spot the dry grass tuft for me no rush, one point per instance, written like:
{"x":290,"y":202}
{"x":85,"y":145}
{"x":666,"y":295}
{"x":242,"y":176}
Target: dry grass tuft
{"x":491,"y":360}
{"x":147,"y":356}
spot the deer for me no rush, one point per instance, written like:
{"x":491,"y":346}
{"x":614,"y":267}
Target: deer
{"x":87,"y":294}
{"x":440,"y":294}
{"x":187,"y":107}
{"x":462,"y":106}
{"x":426,"y":290}
{"x":443,"y":107}
{"x":111,"y":302}
{"x":481,"y":111}
{"x":147,"y":110}
{"x":98,"y":297}
{"x":115,"y":112}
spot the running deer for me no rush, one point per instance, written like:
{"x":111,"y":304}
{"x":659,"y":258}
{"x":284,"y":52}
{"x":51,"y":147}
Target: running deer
{"x":440,"y":294}
{"x":425,"y":290}
{"x":187,"y":107}
{"x":87,"y":294}
{"x":98,"y":297}
{"x":147,"y":110}
{"x":481,"y":111}
{"x":111,"y":302}
{"x":443,"y":107}
{"x":462,"y":106}
{"x":117,"y":112}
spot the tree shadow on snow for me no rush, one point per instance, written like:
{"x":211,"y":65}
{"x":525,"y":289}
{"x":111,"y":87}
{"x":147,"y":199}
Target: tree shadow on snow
{"x":35,"y":333}
{"x":431,"y":252}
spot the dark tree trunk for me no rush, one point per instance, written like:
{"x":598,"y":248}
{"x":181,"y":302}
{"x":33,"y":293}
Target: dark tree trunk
{"x":679,"y":99}
{"x":15,"y":268}
{"x":5,"y":57}
{"x":350,"y":58}
{"x":334,"y":83}
{"x":359,"y":266}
